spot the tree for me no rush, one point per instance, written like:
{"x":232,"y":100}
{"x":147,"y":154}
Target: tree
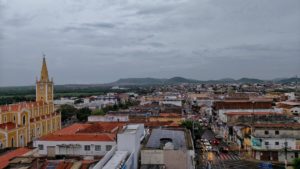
{"x":187,"y":124}
{"x":123,"y":106}
{"x":98,"y":112}
{"x":67,"y":111}
{"x":197,"y":127}
{"x":115,"y":107}
{"x":296,"y":163}
{"x":83,"y":114}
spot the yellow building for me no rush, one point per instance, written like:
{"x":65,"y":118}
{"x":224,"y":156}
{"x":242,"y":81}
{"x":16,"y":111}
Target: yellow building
{"x":24,"y":122}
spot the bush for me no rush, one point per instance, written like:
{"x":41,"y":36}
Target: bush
{"x":67,"y":111}
{"x":83,"y":114}
{"x":98,"y":112}
{"x":296,"y":163}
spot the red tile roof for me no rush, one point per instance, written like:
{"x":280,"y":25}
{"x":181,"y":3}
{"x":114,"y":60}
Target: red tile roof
{"x":79,"y":137}
{"x":251,"y":113}
{"x":4,"y":159}
{"x":104,"y":131}
{"x":103,"y":127}
{"x":109,"y":127}
{"x":71,"y":129}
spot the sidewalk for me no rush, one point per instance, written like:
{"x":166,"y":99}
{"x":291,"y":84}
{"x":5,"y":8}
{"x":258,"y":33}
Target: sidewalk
{"x":274,"y":163}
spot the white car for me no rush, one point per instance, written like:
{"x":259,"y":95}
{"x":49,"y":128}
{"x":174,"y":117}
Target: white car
{"x":208,"y":148}
{"x":204,"y":140}
{"x":206,"y":143}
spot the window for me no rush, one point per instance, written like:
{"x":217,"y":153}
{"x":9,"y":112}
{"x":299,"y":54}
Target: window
{"x":24,"y":120}
{"x":266,"y":143}
{"x":296,"y":155}
{"x":21,"y":141}
{"x":276,"y":132}
{"x":87,"y":147}
{"x":14,"y":119}
{"x":266,"y":132}
{"x":276,"y":143}
{"x":286,"y":143}
{"x":108,"y":147}
{"x":12,"y":142}
{"x":97,"y":148}
{"x":41,"y":147}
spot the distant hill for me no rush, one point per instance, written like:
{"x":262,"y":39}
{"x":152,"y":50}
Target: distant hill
{"x":180,"y":80}
{"x":288,"y":80}
{"x":145,"y":81}
{"x":138,"y":81}
{"x":249,"y":80}
{"x":177,"y":80}
{"x":152,"y":81}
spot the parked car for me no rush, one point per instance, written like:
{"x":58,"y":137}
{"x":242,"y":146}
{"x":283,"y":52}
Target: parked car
{"x":208,"y":147}
{"x":215,"y":142}
{"x":206,"y":143}
{"x":216,"y":150}
{"x":224,"y":149}
{"x":204,"y":140}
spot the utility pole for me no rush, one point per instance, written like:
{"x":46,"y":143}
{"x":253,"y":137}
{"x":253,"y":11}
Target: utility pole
{"x":193,"y":129}
{"x":285,"y":151}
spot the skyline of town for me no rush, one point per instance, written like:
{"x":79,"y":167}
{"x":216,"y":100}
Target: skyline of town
{"x":99,"y":42}
{"x":149,"y":84}
{"x":207,"y":126}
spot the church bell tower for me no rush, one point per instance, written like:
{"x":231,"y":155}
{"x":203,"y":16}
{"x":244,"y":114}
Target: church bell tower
{"x":44,"y":87}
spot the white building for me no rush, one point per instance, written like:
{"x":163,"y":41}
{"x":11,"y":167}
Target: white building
{"x":63,"y":100}
{"x":108,"y":118}
{"x":79,"y":140}
{"x":126,"y":153}
{"x":276,"y":141}
{"x":223,"y":117}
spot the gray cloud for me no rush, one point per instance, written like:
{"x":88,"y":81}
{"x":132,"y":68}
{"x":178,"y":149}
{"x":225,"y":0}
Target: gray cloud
{"x":100,"y":25}
{"x":100,"y":41}
{"x":157,"y":10}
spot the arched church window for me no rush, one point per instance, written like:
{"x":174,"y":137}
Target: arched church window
{"x":24,"y":120}
{"x":12,"y":142}
{"x":21,"y":141}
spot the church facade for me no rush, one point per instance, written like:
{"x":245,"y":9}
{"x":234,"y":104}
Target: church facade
{"x":24,"y":122}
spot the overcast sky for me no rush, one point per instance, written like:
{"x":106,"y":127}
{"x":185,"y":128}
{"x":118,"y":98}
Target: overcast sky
{"x":97,"y":41}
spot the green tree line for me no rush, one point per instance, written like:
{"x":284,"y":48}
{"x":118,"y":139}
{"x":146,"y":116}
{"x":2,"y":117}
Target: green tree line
{"x":69,"y":111}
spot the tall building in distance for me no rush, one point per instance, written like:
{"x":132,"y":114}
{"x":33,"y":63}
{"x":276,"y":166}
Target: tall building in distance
{"x":24,"y":122}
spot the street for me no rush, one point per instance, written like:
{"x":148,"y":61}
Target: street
{"x":215,"y":159}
